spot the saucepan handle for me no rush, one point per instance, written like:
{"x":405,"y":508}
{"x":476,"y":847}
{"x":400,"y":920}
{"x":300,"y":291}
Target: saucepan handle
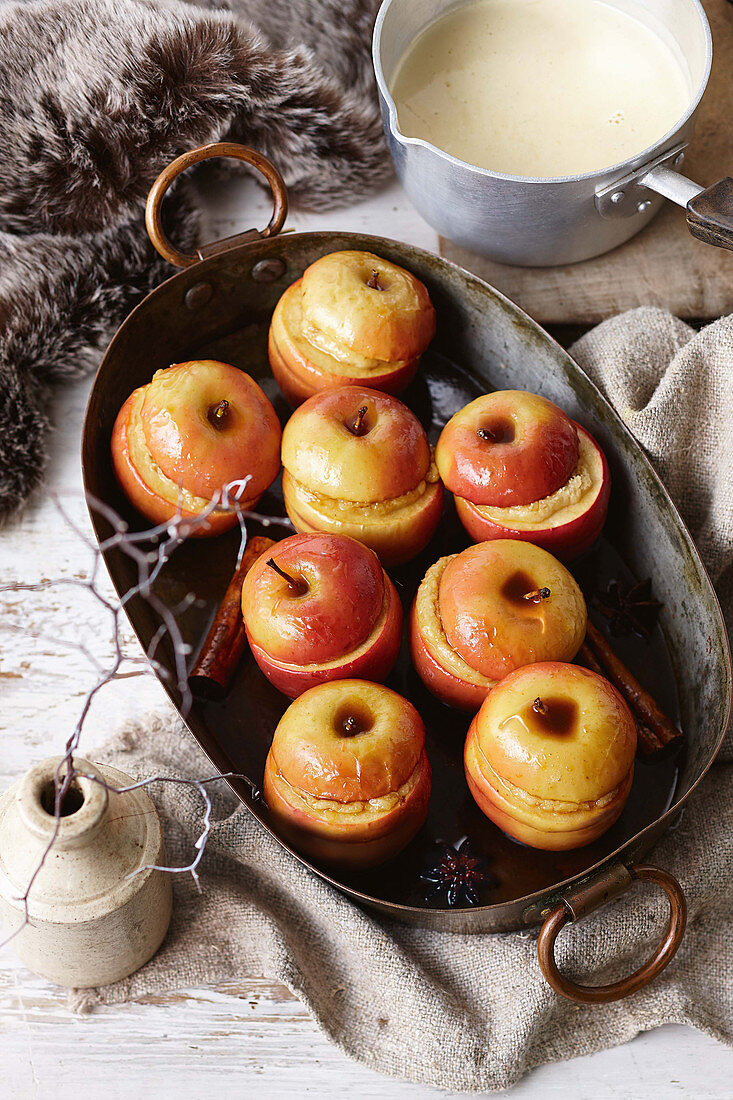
{"x":709,"y":209}
{"x":584,"y":901}
{"x":710,"y":214}
{"x":194,"y":156}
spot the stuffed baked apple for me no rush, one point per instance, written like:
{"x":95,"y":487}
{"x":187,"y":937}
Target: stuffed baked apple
{"x":521,"y":469}
{"x":352,"y":319}
{"x":549,"y":758}
{"x":357,"y":462}
{"x":319,"y":608}
{"x":194,"y":429}
{"x":347,"y":778}
{"x":496,"y":606}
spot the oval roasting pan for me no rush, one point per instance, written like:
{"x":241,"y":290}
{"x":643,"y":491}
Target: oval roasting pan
{"x":220,"y":307}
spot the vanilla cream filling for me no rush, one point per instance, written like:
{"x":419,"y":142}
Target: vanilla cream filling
{"x":430,"y":625}
{"x":552,"y":805}
{"x":149,"y":470}
{"x":318,"y":340}
{"x":324,"y":351}
{"x":335,"y":508}
{"x":329,"y":809}
{"x":566,"y":503}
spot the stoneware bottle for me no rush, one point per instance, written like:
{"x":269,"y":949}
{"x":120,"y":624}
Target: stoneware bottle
{"x":92,"y":919}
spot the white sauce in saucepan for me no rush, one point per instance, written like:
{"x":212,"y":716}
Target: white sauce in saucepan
{"x":539,"y":87}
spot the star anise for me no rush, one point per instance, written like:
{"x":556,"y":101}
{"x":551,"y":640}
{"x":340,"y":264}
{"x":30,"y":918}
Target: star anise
{"x":629,"y":608}
{"x":458,"y":873}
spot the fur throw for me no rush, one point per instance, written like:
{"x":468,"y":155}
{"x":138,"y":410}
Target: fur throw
{"x":96,"y":97}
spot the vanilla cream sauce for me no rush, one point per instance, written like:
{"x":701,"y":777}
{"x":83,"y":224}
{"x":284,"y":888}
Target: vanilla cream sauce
{"x":539,"y":87}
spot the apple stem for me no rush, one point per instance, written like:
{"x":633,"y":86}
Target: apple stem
{"x":539,"y":707}
{"x":537,"y":594}
{"x":357,"y":429}
{"x":217,"y":414}
{"x":373,"y":280}
{"x":350,"y":725}
{"x":296,"y":585}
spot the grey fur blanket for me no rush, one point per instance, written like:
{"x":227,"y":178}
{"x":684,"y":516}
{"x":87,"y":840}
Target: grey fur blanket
{"x":96,"y":97}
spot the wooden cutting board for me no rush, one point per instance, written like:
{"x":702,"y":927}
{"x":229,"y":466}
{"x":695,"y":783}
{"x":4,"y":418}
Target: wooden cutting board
{"x":663,"y":265}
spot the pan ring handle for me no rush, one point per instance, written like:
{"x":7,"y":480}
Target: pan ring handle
{"x":601,"y":994}
{"x":194,"y":156}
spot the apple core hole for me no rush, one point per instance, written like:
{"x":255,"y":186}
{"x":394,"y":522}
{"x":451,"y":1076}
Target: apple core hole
{"x":554,"y":716}
{"x":498,"y":430}
{"x":353,"y":718}
{"x":522,"y":591}
{"x":71,"y":803}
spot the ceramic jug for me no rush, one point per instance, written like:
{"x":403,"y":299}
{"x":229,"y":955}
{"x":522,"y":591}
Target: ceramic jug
{"x":96,"y":913}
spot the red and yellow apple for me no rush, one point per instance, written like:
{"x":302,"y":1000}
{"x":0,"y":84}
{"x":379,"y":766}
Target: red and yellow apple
{"x":357,"y":462}
{"x":195,"y":429}
{"x":549,"y":757}
{"x":521,"y":469}
{"x":347,"y":778}
{"x":494,"y":607}
{"x":352,"y":319}
{"x":319,"y":608}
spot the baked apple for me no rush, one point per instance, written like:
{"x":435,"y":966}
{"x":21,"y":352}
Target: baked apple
{"x":352,"y":319}
{"x":494,"y":607}
{"x":194,"y":429}
{"x":319,"y":608}
{"x":549,"y":758}
{"x":347,"y":778}
{"x":357,"y":462}
{"x":521,"y":469}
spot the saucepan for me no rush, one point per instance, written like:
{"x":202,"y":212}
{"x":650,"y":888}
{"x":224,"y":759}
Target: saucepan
{"x":547,"y":221}
{"x":220,"y":307}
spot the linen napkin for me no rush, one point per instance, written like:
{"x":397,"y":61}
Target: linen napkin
{"x":464,"y":1012}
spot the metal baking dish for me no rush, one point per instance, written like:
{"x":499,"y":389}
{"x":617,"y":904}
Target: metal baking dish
{"x":535,"y":221}
{"x":220,"y":307}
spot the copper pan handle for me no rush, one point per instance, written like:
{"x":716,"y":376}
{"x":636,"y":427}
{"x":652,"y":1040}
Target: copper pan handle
{"x":602,"y":994}
{"x":195,"y":156}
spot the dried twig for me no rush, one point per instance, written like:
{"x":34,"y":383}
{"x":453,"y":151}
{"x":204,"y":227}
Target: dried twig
{"x":149,"y":550}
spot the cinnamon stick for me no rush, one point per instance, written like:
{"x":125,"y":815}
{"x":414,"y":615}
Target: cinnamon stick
{"x":651,"y":720}
{"x":649,"y":743}
{"x":224,"y":645}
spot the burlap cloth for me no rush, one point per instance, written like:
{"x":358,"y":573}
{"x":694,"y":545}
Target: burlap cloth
{"x":473,"y":1012}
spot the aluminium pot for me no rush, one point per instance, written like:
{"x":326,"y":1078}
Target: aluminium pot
{"x":547,"y":221}
{"x":220,"y":306}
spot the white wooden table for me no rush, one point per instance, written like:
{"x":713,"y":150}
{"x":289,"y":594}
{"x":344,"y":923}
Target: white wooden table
{"x":252,"y":1036}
